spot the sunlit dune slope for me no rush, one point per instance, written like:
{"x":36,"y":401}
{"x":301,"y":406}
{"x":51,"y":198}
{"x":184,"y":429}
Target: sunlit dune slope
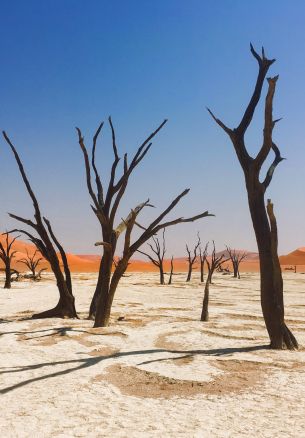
{"x":91,"y":262}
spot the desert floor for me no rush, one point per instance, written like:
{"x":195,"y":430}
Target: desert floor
{"x":159,"y":372}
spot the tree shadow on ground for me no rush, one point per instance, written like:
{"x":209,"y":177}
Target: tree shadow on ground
{"x":61,"y":331}
{"x":2,"y":321}
{"x":91,"y":361}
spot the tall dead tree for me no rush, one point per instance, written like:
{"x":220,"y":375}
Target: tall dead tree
{"x":236,"y":259}
{"x":191,"y":258}
{"x":6,"y":255}
{"x":271,"y":278}
{"x":170,"y":280}
{"x":159,"y":250}
{"x":32,"y":262}
{"x":213,"y":264}
{"x":105,"y":206}
{"x":47,"y":244}
{"x":202,"y":258}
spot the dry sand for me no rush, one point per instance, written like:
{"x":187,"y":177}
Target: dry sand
{"x":157,"y":373}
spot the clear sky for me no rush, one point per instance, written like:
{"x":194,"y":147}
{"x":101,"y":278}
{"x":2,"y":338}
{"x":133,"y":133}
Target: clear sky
{"x":67,"y":63}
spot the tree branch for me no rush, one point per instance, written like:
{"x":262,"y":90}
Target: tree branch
{"x":269,"y":124}
{"x":264,"y":65}
{"x":271,"y":169}
{"x":25,"y":221}
{"x":24,"y":177}
{"x":220,"y":123}
{"x":99,"y":185}
{"x":87,"y":168}
{"x":63,"y":255}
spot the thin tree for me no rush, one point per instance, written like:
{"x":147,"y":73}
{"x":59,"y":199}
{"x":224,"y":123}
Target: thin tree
{"x":32,"y":262}
{"x":105,"y":206}
{"x":236,"y":259}
{"x":170,"y":280}
{"x":202,"y":258}
{"x":213,"y":264}
{"x":191,"y":258}
{"x":271,"y":277}
{"x":159,"y":250}
{"x":47,"y":243}
{"x":6,"y":255}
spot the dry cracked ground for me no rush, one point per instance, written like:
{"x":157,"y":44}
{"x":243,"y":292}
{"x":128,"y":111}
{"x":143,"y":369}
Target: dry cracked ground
{"x":156,"y":371}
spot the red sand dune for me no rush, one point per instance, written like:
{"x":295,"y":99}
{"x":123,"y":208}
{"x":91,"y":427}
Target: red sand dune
{"x":91,"y":262}
{"x":294,"y":258}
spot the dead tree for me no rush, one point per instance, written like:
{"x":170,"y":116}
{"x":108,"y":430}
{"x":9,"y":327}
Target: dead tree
{"x":115,"y":264}
{"x":170,"y":280}
{"x":236,"y":259}
{"x":159,"y":251}
{"x":105,"y":206}
{"x":191,"y":258}
{"x":32,"y":262}
{"x":47,"y":243}
{"x":17,"y":273}
{"x":202,"y":257}
{"x":213,"y":264}
{"x":6,"y":255}
{"x":271,"y":278}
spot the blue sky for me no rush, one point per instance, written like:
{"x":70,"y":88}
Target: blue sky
{"x":72,"y":63}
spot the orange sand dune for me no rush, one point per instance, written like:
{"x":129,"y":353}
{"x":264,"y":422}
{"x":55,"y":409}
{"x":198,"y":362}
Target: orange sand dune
{"x":296,"y":257}
{"x":91,"y":262}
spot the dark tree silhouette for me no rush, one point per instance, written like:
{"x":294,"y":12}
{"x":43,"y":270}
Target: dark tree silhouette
{"x":236,"y":259}
{"x":32,"y":262}
{"x":170,"y":280}
{"x":191,"y":258}
{"x":65,"y":307}
{"x":213,"y":264}
{"x":115,"y":262}
{"x":272,"y":300}
{"x":159,"y":250}
{"x":105,"y":206}
{"x":202,"y":257}
{"x":6,"y":255}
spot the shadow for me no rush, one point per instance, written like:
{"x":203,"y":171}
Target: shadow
{"x":213,"y":352}
{"x":2,"y":321}
{"x":61,"y":331}
{"x":91,"y":361}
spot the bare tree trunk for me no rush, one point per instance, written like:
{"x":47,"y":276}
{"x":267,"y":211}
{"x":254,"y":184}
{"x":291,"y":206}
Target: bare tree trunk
{"x":65,"y":308}
{"x":272,"y":299}
{"x":189,"y":274}
{"x":102,"y":300}
{"x":161,"y":274}
{"x":202,"y":271}
{"x":97,"y":292}
{"x":6,"y":255}
{"x":266,"y":233}
{"x":106,"y":298}
{"x":205,"y":304}
{"x":214,"y":263}
{"x":171,"y":271}
{"x":159,"y":250}
{"x":7,"y":284}
{"x":235,"y":270}
{"x":192,"y":259}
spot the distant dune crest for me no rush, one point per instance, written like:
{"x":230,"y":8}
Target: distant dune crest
{"x":90,"y":262}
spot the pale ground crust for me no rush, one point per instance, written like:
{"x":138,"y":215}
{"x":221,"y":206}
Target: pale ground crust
{"x":159,"y":372}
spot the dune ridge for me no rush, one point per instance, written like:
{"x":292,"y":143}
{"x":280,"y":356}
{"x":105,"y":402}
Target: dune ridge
{"x":91,"y":262}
